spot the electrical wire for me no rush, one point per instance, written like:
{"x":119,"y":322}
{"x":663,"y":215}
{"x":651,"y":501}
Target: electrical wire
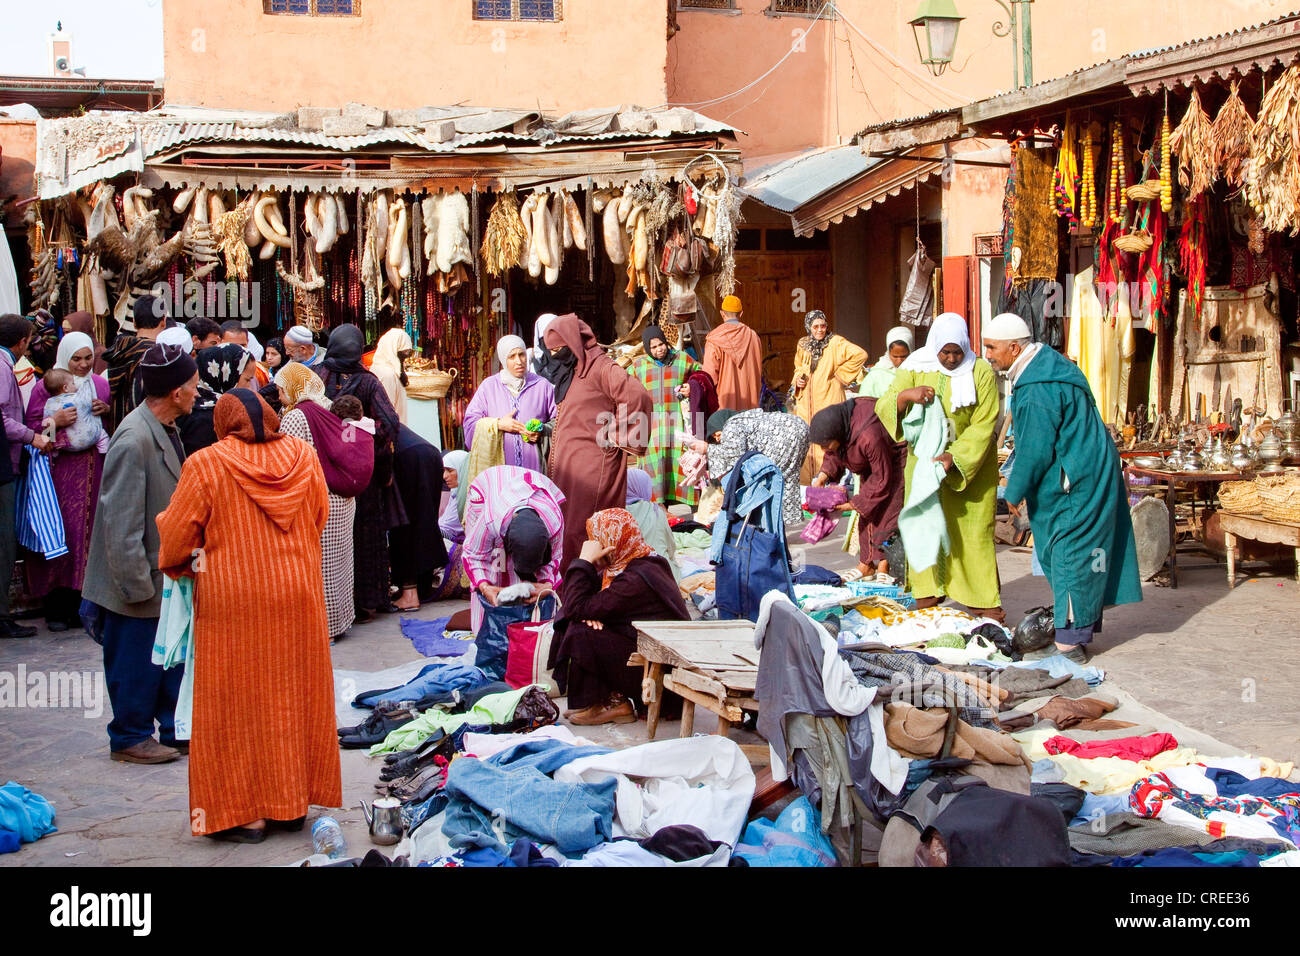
{"x":893,"y":59}
{"x":794,"y":48}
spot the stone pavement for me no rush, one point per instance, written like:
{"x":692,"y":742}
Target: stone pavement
{"x":1217,"y":664}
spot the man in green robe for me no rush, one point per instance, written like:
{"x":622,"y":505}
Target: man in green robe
{"x":1068,"y":472}
{"x":947,"y":369}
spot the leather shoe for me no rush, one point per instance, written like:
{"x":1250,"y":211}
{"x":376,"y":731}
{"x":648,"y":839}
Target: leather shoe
{"x":616,"y":710}
{"x":146,"y":751}
{"x":11,"y":628}
{"x":239,"y":835}
{"x":182,"y":747}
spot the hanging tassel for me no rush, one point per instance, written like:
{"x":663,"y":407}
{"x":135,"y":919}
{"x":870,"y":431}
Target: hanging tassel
{"x":474,"y":242}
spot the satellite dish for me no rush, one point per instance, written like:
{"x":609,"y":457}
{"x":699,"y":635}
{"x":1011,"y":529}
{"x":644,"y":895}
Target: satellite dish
{"x":1151,"y":532}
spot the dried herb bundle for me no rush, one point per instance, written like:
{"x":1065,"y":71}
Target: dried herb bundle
{"x":1273,"y":184}
{"x":504,"y":237}
{"x":1230,"y":136}
{"x":1192,"y":143}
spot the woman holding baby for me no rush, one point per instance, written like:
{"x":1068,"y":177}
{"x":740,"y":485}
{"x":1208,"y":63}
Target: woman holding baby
{"x":70,"y":402}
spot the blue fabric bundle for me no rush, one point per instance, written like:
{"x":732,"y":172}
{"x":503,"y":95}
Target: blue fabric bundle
{"x":27,"y":814}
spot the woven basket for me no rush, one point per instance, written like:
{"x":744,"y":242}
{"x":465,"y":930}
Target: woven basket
{"x":1239,"y":497}
{"x":1139,"y":241}
{"x":426,"y":381}
{"x":1279,"y":499}
{"x":1144,"y":191}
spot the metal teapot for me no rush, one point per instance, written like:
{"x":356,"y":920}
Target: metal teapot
{"x":1241,"y":458}
{"x":1219,"y":457}
{"x":384,"y":821}
{"x":1192,"y":461}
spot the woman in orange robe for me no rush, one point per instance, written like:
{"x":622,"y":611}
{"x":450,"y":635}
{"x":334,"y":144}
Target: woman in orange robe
{"x":245,"y":521}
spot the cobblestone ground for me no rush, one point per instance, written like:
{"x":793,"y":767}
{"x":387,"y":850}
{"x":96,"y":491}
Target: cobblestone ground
{"x":1213,"y":663}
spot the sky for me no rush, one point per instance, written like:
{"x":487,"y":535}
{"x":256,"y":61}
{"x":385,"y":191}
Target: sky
{"x":112,"y":39}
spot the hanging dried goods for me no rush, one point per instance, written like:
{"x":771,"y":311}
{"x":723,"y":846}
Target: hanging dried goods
{"x":1230,"y":136}
{"x":1191,"y":141}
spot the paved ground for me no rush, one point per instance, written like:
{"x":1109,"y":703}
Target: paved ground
{"x":1216,"y":663}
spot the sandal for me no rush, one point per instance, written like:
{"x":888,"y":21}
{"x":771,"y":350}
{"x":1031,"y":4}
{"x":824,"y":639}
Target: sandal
{"x":850,"y":576}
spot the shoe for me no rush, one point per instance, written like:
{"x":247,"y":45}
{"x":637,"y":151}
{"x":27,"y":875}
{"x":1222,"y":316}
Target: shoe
{"x":616,"y":710}
{"x":373,"y":730}
{"x":146,"y":751}
{"x":182,"y":747}
{"x":10,"y":628}
{"x":362,"y":616}
{"x":56,"y":627}
{"x":240,"y":834}
{"x":1078,"y":654}
{"x":293,"y":826}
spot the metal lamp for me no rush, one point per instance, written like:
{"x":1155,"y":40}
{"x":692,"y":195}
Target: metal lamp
{"x":935,"y":27}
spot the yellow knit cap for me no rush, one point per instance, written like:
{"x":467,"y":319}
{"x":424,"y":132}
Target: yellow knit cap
{"x":731,"y":304}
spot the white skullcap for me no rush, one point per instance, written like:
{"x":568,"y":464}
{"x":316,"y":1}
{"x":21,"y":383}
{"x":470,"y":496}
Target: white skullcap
{"x":255,"y":347}
{"x":1006,"y":327}
{"x":177,"y":335}
{"x":299,"y":335}
{"x":900,"y":333}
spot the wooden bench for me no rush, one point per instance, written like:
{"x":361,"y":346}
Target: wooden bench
{"x":713,"y":664}
{"x":1256,"y":529}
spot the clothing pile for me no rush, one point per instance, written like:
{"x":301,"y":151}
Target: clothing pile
{"x":24,"y":817}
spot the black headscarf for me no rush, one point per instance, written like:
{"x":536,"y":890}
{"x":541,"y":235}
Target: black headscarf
{"x":832,"y":424}
{"x":220,"y":367}
{"x":343,"y":353}
{"x":277,"y":343}
{"x":719,"y":419}
{"x":651,"y":333}
{"x":528,"y":543}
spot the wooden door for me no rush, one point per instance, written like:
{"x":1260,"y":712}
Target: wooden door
{"x":777,"y":290}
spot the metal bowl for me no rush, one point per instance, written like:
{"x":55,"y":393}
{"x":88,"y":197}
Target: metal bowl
{"x":1149,"y":461}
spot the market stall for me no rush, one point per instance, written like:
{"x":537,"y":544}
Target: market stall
{"x":464,"y":223}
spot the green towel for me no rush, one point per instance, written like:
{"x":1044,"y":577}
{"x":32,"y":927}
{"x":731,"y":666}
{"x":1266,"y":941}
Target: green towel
{"x":922,"y":522}
{"x":174,"y":644}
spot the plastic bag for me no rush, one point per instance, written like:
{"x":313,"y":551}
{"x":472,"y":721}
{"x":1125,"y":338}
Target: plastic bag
{"x":1035,"y":631}
{"x":998,"y":637}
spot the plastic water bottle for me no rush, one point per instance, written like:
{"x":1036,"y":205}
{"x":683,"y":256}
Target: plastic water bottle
{"x":327,"y":838}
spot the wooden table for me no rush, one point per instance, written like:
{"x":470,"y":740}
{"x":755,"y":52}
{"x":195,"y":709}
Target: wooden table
{"x":1172,"y":480}
{"x":1256,"y":529}
{"x":710,"y":663}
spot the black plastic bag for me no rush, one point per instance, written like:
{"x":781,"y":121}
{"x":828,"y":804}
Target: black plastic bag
{"x":1035,"y":631}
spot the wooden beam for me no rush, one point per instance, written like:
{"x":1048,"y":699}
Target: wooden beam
{"x":726,"y":711}
{"x":943,"y":129}
{"x":1053,"y":93}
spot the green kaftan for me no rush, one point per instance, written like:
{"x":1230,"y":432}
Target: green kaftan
{"x":969,"y":574}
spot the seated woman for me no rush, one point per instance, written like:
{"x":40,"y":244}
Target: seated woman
{"x":852,"y":437}
{"x":514,"y":531}
{"x":651,"y":518}
{"x":616,"y":579}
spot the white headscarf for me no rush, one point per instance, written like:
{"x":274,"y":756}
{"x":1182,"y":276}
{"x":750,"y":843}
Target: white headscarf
{"x":539,"y":329}
{"x":255,"y":347}
{"x":70,"y":345}
{"x":505,"y":345}
{"x":948,"y":329}
{"x":900,"y":333}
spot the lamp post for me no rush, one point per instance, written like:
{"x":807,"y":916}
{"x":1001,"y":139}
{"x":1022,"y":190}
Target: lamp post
{"x":935,"y":28}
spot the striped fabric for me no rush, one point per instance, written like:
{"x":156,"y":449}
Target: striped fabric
{"x":262,"y":742}
{"x":493,"y":498}
{"x":40,"y":526}
{"x":663,"y":456}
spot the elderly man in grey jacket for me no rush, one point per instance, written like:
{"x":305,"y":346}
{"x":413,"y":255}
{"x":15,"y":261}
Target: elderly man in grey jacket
{"x":141,"y":470}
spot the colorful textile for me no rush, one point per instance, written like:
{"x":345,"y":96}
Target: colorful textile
{"x":1129,"y":748}
{"x":28,"y":814}
{"x":616,"y":529}
{"x":782,"y":438}
{"x":493,"y":499}
{"x":663,"y":455}
{"x":1246,"y":816}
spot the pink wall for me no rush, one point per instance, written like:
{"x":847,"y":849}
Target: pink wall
{"x":717,"y":52}
{"x":408,"y":53}
{"x":17,"y":164}
{"x":843,"y":81}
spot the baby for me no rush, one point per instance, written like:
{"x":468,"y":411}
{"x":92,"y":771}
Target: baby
{"x":350,"y":409}
{"x":87,"y":430}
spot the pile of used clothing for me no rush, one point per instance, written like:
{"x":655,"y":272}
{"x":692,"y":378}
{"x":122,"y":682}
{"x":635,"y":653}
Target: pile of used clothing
{"x":880,"y":734}
{"x":24,"y":817}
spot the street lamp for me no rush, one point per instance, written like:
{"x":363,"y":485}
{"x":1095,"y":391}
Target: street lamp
{"x":935,"y":28}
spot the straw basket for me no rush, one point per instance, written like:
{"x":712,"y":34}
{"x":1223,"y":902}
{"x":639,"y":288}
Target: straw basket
{"x":1139,"y":241}
{"x":1239,"y":497}
{"x":1144,"y":191}
{"x":425,"y":380}
{"x":1279,"y":499}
